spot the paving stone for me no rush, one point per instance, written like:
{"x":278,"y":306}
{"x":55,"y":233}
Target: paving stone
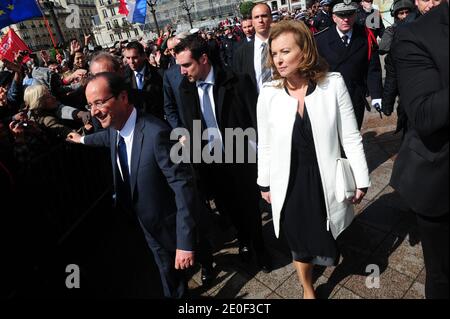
{"x":380,"y":178}
{"x":401,"y":256}
{"x":417,"y":291}
{"x":422,"y":276}
{"x":241,"y":287}
{"x":291,"y":288}
{"x":344,"y":293}
{"x":393,"y":285}
{"x":274,"y":295}
{"x":276,"y":277}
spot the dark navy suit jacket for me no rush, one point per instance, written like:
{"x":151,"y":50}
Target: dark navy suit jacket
{"x":172,"y":100}
{"x":162,"y":191}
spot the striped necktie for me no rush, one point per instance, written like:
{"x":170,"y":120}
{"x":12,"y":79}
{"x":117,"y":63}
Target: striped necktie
{"x":266,"y":73}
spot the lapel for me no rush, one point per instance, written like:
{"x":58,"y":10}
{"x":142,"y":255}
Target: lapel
{"x":191,"y":104}
{"x":138,"y":138}
{"x":250,"y":59}
{"x":147,"y":75}
{"x":130,"y":75}
{"x":113,"y":148}
{"x":343,"y":53}
{"x":222,"y":84}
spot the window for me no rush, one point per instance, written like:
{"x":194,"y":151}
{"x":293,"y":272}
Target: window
{"x":119,"y":35}
{"x":116,"y":23}
{"x":102,"y":3}
{"x":105,"y":13}
{"x":108,"y":25}
{"x":136,"y":32}
{"x":112,"y":37}
{"x":128,"y":34}
{"x":283,"y":2}
{"x":113,"y":13}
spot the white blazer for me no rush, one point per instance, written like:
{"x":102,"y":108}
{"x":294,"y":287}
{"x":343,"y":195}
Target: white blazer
{"x":332,"y":119}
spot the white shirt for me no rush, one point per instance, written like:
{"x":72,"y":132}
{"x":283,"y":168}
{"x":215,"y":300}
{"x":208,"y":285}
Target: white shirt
{"x":257,"y":60}
{"x":127,"y":132}
{"x":349,"y":34}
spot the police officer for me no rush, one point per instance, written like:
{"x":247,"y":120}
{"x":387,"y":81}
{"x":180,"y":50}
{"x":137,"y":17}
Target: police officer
{"x":350,"y":49}
{"x":323,"y":18}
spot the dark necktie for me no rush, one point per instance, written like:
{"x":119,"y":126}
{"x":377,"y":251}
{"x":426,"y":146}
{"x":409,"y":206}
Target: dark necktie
{"x":345,"y":39}
{"x":266,"y":73}
{"x":123,"y":160}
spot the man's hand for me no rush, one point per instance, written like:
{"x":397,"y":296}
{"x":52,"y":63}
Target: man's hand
{"x":74,"y":47}
{"x":74,"y":138}
{"x":266,"y":196}
{"x":84,"y":116}
{"x":45,"y":57}
{"x":184,"y":259}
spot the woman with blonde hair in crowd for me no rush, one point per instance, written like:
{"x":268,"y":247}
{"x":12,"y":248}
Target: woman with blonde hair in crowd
{"x":42,"y":107}
{"x":304,"y":115}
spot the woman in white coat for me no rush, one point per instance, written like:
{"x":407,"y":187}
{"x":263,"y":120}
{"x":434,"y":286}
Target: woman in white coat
{"x":304,"y":115}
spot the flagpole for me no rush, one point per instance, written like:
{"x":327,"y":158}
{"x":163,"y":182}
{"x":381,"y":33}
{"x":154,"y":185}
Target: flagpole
{"x":47,"y":24}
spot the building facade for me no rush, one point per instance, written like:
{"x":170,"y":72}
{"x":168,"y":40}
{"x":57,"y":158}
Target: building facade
{"x":36,"y":34}
{"x":110,"y":26}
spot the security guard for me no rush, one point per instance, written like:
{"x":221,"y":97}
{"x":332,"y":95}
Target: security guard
{"x":351,"y":50}
{"x":323,"y":18}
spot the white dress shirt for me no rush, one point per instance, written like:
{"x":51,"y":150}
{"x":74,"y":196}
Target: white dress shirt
{"x":257,"y":60}
{"x":341,"y":34}
{"x":127,"y":132}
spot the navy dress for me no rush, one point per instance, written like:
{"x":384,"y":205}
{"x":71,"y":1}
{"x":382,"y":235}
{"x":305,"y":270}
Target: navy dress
{"x":304,"y":216}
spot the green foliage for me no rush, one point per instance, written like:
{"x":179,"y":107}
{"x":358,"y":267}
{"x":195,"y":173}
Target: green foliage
{"x":246,"y":8}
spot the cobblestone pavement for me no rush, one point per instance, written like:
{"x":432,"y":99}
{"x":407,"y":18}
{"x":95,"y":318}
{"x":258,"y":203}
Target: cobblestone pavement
{"x":383,"y":235}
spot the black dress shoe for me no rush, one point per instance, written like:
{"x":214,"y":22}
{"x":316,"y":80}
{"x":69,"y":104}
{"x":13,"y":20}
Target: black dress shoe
{"x":206,"y":275}
{"x":245,"y":254}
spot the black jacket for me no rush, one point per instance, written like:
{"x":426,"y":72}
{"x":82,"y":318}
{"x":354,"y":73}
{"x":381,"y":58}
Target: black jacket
{"x":421,"y":53}
{"x":150,"y":99}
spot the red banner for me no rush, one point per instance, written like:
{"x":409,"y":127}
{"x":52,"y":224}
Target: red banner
{"x":12,"y":44}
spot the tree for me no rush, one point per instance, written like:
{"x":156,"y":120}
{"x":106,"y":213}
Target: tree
{"x":246,"y":8}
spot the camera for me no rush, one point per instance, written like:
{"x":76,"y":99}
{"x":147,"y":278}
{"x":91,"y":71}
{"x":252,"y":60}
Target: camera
{"x":20,"y":123}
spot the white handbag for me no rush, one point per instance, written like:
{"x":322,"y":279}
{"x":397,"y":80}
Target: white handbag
{"x":345,"y":180}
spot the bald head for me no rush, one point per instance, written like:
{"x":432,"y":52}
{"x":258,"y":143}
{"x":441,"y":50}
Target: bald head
{"x":104,"y":62}
{"x":262,"y":19}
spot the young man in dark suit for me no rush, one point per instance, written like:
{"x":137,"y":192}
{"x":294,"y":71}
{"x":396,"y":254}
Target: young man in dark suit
{"x":420,"y":175}
{"x":144,"y":80}
{"x":220,"y":100}
{"x":147,"y":182}
{"x":251,"y":57}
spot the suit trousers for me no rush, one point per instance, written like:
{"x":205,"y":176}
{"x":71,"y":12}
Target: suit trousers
{"x":435,"y":245}
{"x":173,"y":281}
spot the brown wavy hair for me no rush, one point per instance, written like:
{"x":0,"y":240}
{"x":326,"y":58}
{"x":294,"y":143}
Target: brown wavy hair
{"x":312,"y":66}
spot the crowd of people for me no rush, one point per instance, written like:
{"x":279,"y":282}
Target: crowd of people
{"x":302,"y":80}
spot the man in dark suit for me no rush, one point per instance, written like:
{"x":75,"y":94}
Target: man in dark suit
{"x":348,"y":51}
{"x":221,"y":100}
{"x":420,"y":173}
{"x":147,"y":183}
{"x":144,"y":80}
{"x":171,"y":82}
{"x":251,"y":57}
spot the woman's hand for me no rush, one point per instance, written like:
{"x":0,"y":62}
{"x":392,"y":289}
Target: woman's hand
{"x":360,"y":193}
{"x":266,"y":196}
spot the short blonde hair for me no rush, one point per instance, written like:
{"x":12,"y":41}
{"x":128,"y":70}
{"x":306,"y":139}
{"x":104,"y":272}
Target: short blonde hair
{"x":33,"y":96}
{"x":311,"y":67}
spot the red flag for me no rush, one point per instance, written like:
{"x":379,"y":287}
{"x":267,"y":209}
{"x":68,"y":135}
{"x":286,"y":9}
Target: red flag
{"x":123,"y":7}
{"x":12,"y":44}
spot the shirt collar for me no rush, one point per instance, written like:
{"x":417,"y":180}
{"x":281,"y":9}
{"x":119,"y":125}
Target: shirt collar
{"x":141,"y":71}
{"x":341,"y":34}
{"x":259,"y":42}
{"x":209,"y":79}
{"x":128,"y":128}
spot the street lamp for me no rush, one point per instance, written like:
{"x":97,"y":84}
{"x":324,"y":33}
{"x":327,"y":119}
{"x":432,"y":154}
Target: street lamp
{"x":152,"y":4}
{"x":187,"y":7}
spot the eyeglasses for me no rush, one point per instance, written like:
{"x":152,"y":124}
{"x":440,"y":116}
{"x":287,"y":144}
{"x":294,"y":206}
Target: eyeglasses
{"x":99,"y":104}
